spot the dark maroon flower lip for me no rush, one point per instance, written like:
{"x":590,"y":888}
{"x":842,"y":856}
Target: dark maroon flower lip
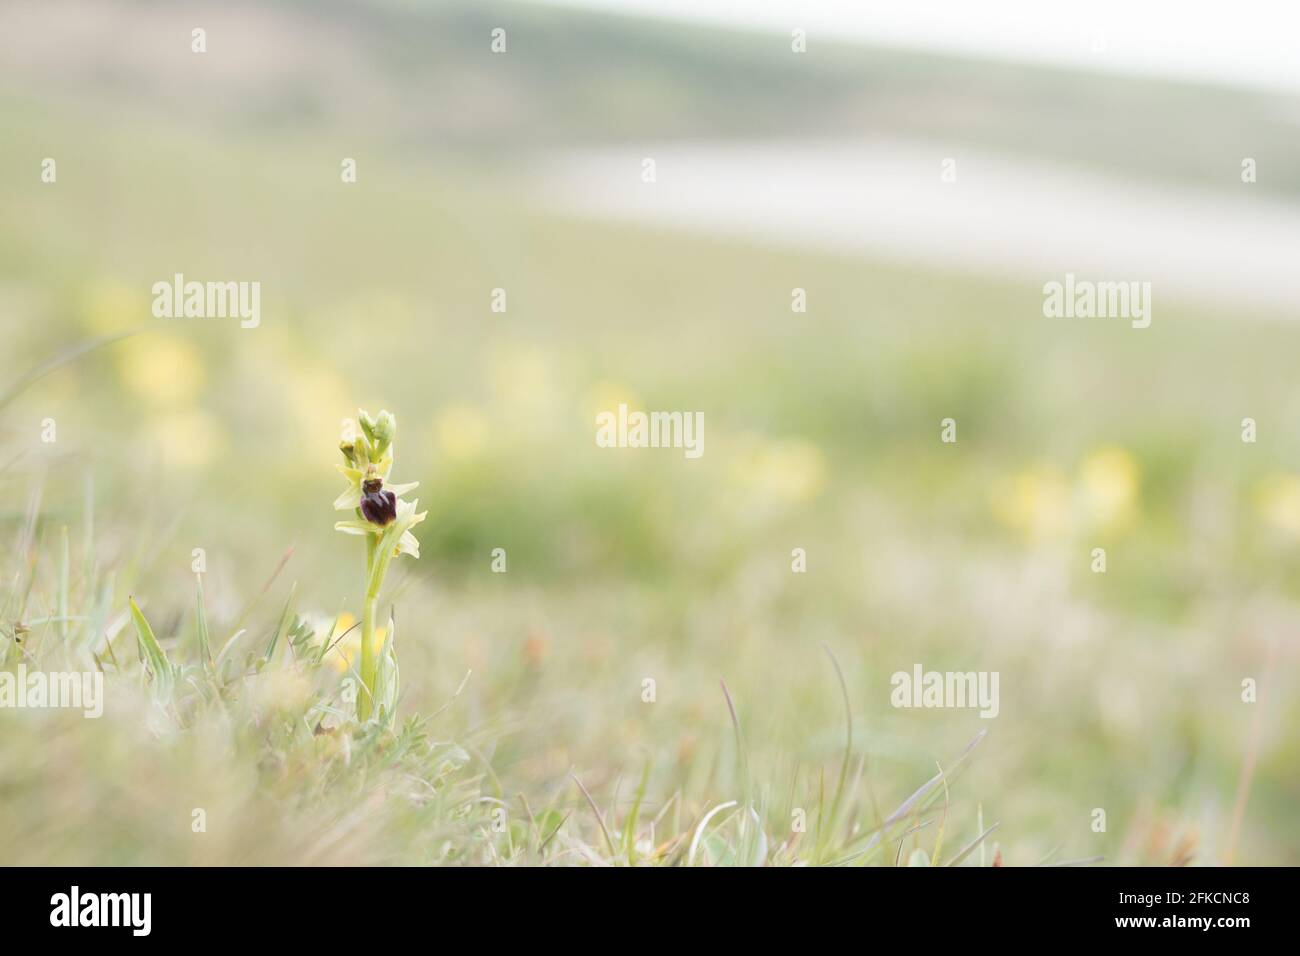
{"x":379,"y":507}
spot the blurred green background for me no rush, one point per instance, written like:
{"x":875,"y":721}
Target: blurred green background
{"x":1119,"y":691}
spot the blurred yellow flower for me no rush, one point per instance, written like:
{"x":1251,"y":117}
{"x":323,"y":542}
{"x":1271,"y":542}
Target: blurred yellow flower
{"x":1037,"y":502}
{"x":346,"y":654}
{"x":187,"y":439}
{"x":521,"y":378}
{"x":1109,"y":485}
{"x":785,"y":472}
{"x":462,"y":431}
{"x":1278,"y":501}
{"x":606,"y":396}
{"x":1042,"y":502}
{"x":161,"y":369}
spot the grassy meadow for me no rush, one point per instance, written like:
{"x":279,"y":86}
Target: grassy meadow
{"x":523,"y":735}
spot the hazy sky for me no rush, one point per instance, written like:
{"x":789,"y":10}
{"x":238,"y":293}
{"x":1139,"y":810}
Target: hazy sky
{"x":1250,"y":42}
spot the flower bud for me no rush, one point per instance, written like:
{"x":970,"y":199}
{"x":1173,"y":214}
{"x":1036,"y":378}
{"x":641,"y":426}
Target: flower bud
{"x":383,"y":432}
{"x":362,"y":450}
{"x":367,"y":423}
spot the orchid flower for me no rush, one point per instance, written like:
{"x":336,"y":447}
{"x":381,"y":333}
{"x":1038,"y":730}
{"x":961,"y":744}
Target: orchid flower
{"x":384,"y":519}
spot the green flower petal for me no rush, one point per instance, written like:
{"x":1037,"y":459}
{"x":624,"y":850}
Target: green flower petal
{"x":407,"y":544}
{"x":350,"y":499}
{"x":354,"y":527}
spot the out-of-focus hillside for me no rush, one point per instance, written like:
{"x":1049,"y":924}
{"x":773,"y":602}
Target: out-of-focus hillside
{"x":422,"y":76}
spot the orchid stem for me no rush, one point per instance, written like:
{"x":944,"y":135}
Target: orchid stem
{"x":365,"y":701}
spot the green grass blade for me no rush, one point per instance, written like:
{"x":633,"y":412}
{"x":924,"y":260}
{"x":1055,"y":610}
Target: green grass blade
{"x":64,"y":586}
{"x":286,"y":621}
{"x":970,"y":847}
{"x":151,"y":653}
{"x":629,"y":826}
{"x":201,"y":623}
